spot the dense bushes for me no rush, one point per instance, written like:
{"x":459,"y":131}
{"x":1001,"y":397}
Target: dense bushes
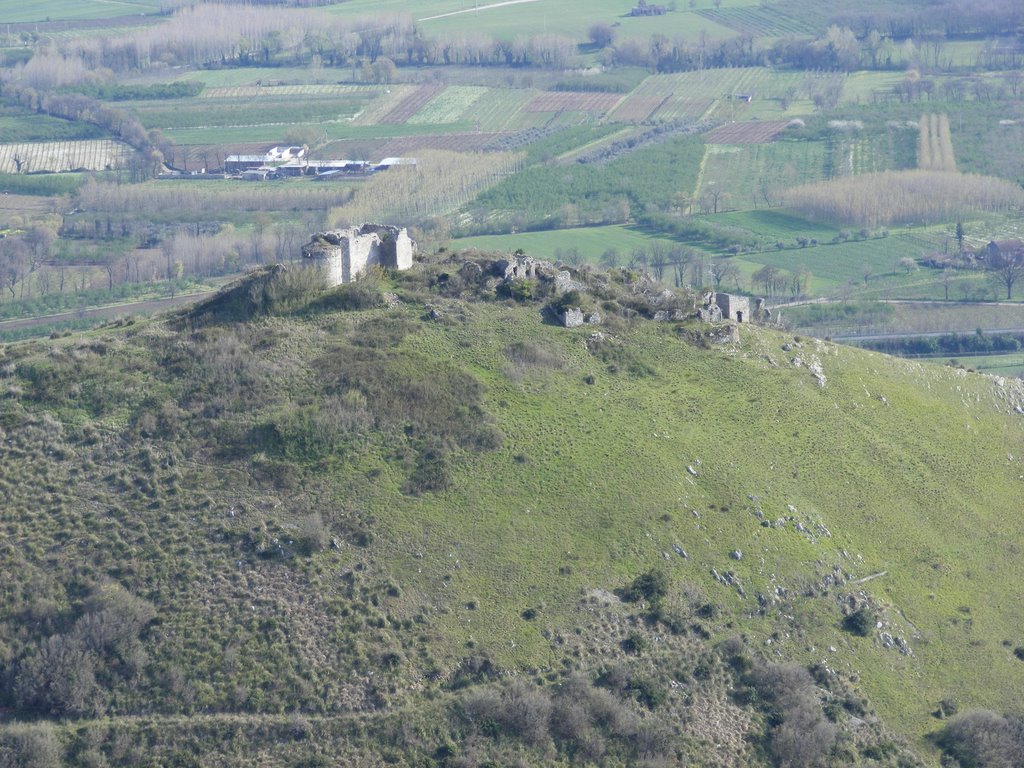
{"x":115,"y":92}
{"x":798,"y":734}
{"x":949,"y":344}
{"x":984,"y":739}
{"x":64,"y":674}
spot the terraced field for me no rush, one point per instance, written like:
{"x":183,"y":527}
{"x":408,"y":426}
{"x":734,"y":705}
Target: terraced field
{"x":93,"y":155}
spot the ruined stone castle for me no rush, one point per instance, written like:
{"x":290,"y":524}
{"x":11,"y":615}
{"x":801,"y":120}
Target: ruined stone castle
{"x":342,"y":254}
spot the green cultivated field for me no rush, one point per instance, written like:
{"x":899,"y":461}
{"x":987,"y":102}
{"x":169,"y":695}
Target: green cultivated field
{"x":14,"y":11}
{"x":588,"y":242}
{"x":571,"y":18}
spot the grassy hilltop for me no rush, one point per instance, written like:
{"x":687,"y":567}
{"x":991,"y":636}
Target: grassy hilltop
{"x":393,"y":522}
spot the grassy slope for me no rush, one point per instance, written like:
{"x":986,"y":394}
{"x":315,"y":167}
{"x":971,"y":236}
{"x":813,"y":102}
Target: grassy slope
{"x":912,"y":468}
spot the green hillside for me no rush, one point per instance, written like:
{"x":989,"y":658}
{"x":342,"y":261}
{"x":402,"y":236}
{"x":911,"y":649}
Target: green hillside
{"x":388,"y":524}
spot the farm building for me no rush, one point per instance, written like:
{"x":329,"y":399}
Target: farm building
{"x":391,"y":162}
{"x":273,"y":156}
{"x":343,"y":254}
{"x":643,"y":9}
{"x":239,"y":163}
{"x":284,"y":154}
{"x":260,"y":174}
{"x":347,"y":168}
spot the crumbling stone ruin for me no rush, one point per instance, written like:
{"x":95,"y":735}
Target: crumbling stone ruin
{"x":342,"y":254}
{"x":726,"y":306}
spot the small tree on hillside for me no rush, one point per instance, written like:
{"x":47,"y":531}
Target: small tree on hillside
{"x":601,"y":34}
{"x":1006,"y":267}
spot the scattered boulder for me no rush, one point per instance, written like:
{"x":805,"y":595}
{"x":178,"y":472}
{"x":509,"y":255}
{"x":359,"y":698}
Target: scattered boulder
{"x":572,"y":317}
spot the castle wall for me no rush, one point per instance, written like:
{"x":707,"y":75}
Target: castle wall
{"x":344,"y":254}
{"x":363,"y":251}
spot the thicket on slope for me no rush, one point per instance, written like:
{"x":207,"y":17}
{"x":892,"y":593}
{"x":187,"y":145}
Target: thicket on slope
{"x":984,"y":739}
{"x":265,"y":290}
{"x":904,"y":197}
{"x":440,"y":182}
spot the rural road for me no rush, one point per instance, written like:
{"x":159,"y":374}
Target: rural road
{"x":147,"y":307}
{"x":476,"y":8}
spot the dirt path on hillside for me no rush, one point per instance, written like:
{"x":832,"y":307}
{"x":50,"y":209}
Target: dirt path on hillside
{"x":477,"y":8}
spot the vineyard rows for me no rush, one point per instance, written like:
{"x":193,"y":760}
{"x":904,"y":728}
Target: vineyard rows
{"x":410,"y":105}
{"x":499,"y":109}
{"x":373,"y":112}
{"x":690,"y":94}
{"x":565,"y":101}
{"x":257,"y":91}
{"x":94,"y":155}
{"x":760,"y":132}
{"x":636,"y":108}
{"x":455,"y":142}
{"x":448,"y":106}
{"x":758,"y":22}
{"x":747,"y":174}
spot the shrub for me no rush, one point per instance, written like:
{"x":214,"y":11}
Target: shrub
{"x":861,"y":622}
{"x":30,"y":746}
{"x":982,"y":739}
{"x":651,"y":585}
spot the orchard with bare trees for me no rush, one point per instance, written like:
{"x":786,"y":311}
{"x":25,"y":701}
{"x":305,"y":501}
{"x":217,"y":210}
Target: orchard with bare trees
{"x":905,"y":197}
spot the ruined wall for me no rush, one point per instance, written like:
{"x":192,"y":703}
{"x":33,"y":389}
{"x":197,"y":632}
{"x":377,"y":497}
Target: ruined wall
{"x":734,"y":307}
{"x":343,"y":254}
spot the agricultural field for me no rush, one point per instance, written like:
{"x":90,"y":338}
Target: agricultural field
{"x":869,"y":317}
{"x":315,"y":90}
{"x":571,"y":18}
{"x":751,"y":173}
{"x":760,"y":132}
{"x":248,"y":76}
{"x":255,"y":112}
{"x":448,"y":106}
{"x":589,"y":244}
{"x":691,"y":95}
{"x":758,"y":21}
{"x":410,"y":104}
{"x":454,"y":142}
{"x":564,"y":101}
{"x":20,"y":125}
{"x":834,"y":265}
{"x":501,"y":109}
{"x":15,"y":11}
{"x":996,"y":365}
{"x":58,"y":156}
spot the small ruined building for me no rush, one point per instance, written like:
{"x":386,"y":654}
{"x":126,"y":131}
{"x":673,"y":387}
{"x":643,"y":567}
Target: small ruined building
{"x":726,"y":306}
{"x":734,"y":307}
{"x":342,"y":254}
